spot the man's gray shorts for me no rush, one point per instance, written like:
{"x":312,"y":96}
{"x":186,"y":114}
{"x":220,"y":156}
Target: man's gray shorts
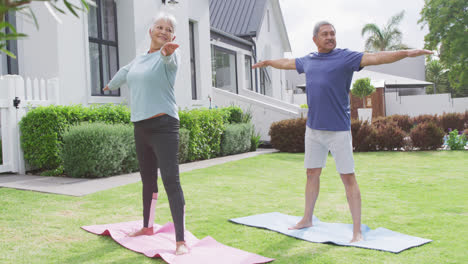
{"x":319,"y":142}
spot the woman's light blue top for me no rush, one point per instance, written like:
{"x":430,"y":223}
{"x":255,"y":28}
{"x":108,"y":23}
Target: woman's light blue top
{"x":150,"y":78}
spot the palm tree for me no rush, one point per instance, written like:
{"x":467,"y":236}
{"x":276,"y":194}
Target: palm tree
{"x":386,"y":38}
{"x":437,"y":74}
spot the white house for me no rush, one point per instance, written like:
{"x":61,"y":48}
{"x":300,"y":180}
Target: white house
{"x":84,"y":53}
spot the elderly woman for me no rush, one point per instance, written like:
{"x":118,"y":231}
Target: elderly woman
{"x":150,"y":78}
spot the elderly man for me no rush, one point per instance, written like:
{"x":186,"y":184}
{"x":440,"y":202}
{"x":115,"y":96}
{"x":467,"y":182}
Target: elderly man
{"x":328,"y":78}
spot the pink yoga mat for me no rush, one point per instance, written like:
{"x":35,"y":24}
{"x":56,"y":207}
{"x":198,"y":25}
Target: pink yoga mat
{"x":162,"y":244}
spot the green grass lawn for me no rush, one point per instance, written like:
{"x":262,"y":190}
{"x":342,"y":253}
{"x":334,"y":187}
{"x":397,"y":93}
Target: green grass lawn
{"x":417,"y":193}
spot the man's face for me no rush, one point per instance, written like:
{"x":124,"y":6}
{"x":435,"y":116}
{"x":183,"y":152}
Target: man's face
{"x":325,"y":39}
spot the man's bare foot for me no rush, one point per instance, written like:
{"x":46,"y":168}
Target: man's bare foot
{"x":302,"y":224}
{"x":357,"y":237}
{"x":181,"y":248}
{"x":145,"y":231}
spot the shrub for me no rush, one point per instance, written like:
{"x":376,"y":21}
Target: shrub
{"x":455,"y":141}
{"x":288,"y":135}
{"x":425,"y":119}
{"x":254,"y":140}
{"x":236,"y":139}
{"x":206,"y":127}
{"x":234,"y":114}
{"x":363,"y":136}
{"x":184,"y":140}
{"x":96,"y":150}
{"x":305,"y":106}
{"x":404,"y":122}
{"x":427,"y":136}
{"x":388,"y":135}
{"x":451,"y":121}
{"x":465,"y":119}
{"x":42,"y":129}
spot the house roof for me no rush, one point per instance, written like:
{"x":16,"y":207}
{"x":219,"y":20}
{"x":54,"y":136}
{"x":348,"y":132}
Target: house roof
{"x":380,"y":80}
{"x":244,"y":18}
{"x":237,"y":17}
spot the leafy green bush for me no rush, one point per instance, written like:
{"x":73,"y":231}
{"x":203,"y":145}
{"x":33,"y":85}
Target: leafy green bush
{"x":95,"y":150}
{"x":364,"y":136}
{"x":455,"y":141}
{"x":42,"y":129}
{"x":427,"y":136}
{"x":254,"y":140}
{"x":305,"y":106}
{"x":236,"y":139}
{"x":184,"y":140}
{"x":451,"y":121}
{"x":234,"y":114}
{"x":288,"y":135}
{"x":362,"y":88}
{"x":206,"y":127}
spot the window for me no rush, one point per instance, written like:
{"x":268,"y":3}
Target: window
{"x":224,"y":66}
{"x":193,"y":61}
{"x":103,"y":46}
{"x":248,"y":73}
{"x":265,"y":82}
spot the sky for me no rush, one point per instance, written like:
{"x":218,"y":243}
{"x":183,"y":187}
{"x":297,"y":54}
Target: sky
{"x":349,"y":17}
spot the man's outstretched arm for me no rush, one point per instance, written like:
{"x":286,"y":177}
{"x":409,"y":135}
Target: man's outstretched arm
{"x":284,"y":64}
{"x":384,"y":57}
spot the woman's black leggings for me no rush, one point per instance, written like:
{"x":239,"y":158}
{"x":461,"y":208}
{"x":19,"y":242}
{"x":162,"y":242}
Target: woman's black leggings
{"x":157,"y":145}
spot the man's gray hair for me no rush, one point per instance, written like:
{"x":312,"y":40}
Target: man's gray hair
{"x":319,"y":24}
{"x":167,"y":17}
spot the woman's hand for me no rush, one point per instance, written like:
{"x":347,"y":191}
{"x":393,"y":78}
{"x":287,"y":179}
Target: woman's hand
{"x":169,"y":48}
{"x":106,"y":88}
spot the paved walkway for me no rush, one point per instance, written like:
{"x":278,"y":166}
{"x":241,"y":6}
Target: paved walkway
{"x":81,"y":187}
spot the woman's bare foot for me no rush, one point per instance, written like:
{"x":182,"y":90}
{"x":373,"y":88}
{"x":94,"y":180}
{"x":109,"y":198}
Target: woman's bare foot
{"x":357,"y":237}
{"x":145,"y":231}
{"x":302,"y":224}
{"x":181,"y":248}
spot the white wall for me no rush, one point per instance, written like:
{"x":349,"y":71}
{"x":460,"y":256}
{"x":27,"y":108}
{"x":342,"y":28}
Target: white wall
{"x":413,"y":68}
{"x":424,"y":104}
{"x":265,"y":110}
{"x":270,"y":46}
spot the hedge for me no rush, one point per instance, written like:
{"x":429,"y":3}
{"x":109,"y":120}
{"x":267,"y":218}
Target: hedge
{"x":236,"y":139}
{"x":452,"y":121}
{"x":184,"y":141}
{"x":427,"y":136}
{"x":388,"y":136}
{"x":288,"y":135}
{"x":42,"y":129}
{"x":98,"y":150}
{"x":364,"y":136}
{"x":206,"y":127}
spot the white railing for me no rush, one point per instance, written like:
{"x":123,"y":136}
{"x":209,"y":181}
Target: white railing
{"x":16,"y":97}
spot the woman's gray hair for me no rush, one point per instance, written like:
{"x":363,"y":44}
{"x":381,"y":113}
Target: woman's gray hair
{"x":322,"y":23}
{"x":167,"y":17}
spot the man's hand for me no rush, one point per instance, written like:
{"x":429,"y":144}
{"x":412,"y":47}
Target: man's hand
{"x":416,"y":53}
{"x":169,"y":48}
{"x":260,"y":64}
{"x":106,"y":88}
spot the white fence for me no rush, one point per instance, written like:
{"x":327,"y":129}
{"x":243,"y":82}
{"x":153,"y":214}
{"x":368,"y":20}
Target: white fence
{"x":264,"y":109}
{"x":414,"y":105}
{"x":16,"y":97}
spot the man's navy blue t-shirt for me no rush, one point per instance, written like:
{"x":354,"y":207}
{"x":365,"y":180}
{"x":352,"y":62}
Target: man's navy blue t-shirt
{"x":328,"y":80}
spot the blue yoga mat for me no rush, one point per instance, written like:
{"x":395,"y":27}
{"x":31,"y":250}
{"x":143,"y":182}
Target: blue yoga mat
{"x":339,"y":234}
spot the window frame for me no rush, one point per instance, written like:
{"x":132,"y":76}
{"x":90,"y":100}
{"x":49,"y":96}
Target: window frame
{"x":103,"y":43}
{"x":231,"y":52}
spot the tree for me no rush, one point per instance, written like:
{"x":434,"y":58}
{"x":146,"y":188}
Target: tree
{"x":437,"y":74}
{"x":362,"y":88}
{"x":8,"y":31}
{"x":448,"y":27}
{"x":386,"y":38}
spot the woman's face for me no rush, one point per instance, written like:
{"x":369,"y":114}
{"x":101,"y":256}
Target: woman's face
{"x":162,"y":32}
